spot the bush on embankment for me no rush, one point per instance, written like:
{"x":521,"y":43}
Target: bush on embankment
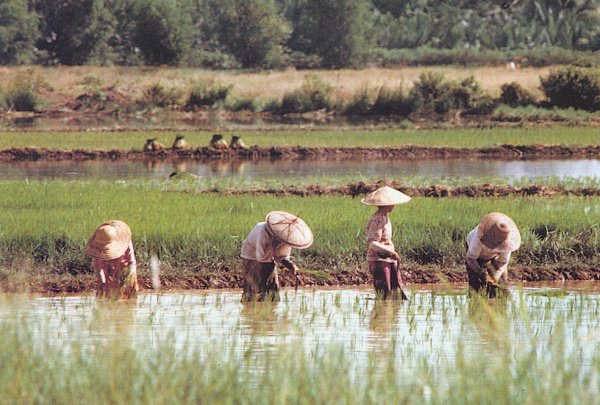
{"x":573,"y":87}
{"x":46,"y":225}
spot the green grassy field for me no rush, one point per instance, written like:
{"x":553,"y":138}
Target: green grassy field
{"x":467,"y":138}
{"x":50,"y":222}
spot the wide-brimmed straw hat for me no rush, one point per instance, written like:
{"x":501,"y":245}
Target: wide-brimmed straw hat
{"x":289,"y":229}
{"x":110,"y":241}
{"x":385,"y":196}
{"x":497,"y":230}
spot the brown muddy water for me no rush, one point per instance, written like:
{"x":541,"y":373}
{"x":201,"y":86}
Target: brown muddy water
{"x":259,"y":170}
{"x":431,"y":324}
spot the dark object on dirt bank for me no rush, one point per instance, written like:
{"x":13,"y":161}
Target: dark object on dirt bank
{"x":152,"y":146}
{"x":180,"y":143}
{"x":217,"y":142}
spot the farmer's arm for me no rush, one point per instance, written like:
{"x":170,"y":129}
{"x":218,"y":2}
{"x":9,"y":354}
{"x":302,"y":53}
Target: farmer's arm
{"x":501,"y":265}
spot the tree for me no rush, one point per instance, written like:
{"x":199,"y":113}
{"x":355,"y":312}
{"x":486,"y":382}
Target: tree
{"x":335,"y":30}
{"x":251,"y":30}
{"x":76,"y":32}
{"x":18,"y":32}
{"x":164,"y":31}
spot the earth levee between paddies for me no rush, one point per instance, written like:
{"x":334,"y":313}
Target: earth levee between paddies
{"x":45,"y":226}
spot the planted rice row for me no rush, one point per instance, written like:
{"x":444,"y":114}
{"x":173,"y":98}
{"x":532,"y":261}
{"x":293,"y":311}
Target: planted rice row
{"x":49,"y":223}
{"x":452,"y":138}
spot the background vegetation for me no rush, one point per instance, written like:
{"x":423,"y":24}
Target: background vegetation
{"x":303,"y":33}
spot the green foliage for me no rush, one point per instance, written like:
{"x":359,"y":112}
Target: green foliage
{"x":514,"y":95}
{"x":396,"y":101}
{"x":252,"y":31}
{"x":440,"y":95}
{"x":21,"y":94}
{"x":157,"y":95}
{"x":336,"y":31}
{"x":314,"y":94}
{"x":18,"y":33}
{"x":164,"y":31}
{"x":573,"y":87}
{"x":76,"y":32}
{"x":242,"y":104}
{"x":206,"y":92}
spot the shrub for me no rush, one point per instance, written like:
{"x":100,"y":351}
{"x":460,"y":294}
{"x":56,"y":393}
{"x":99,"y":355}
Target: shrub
{"x":396,"y":101}
{"x":573,"y":87}
{"x":242,"y":104}
{"x":314,"y":94}
{"x":432,"y":87}
{"x":206,"y":92}
{"x":360,"y":104}
{"x":156,"y":95}
{"x":514,"y":95}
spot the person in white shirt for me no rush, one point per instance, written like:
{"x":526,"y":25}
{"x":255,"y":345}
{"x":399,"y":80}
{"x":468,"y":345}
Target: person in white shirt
{"x":489,"y":247}
{"x":381,"y":254}
{"x":270,"y":243}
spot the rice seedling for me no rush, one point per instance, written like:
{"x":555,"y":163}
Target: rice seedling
{"x":432,"y":348}
{"x":45,"y":225}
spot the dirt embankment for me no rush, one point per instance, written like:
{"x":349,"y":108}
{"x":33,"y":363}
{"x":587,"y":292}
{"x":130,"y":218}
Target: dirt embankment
{"x":436,"y":191}
{"x":66,"y":283}
{"x":309,"y":153}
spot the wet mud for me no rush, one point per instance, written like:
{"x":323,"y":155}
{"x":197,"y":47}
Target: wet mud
{"x":309,"y":153}
{"x":435,"y":191}
{"x":66,"y":283}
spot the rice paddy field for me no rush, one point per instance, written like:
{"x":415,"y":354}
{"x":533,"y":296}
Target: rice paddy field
{"x":372,"y":137}
{"x":540,"y":345}
{"x":48,"y":223}
{"x":335,"y":345}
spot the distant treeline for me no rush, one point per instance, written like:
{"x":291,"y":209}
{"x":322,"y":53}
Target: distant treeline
{"x":301,"y":33}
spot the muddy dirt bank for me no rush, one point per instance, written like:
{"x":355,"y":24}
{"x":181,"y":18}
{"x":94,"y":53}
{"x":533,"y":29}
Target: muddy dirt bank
{"x":436,"y":191}
{"x":310,"y":153}
{"x":66,"y":283}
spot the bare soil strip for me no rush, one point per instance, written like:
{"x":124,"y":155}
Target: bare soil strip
{"x":310,"y":153}
{"x":66,"y":283}
{"x":438,"y":191}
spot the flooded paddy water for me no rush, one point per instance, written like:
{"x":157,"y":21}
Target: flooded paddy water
{"x":430,"y":327}
{"x":513,"y":170}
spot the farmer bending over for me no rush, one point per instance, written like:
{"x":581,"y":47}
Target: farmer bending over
{"x":113,"y":260}
{"x":381,"y":255}
{"x":271,"y":243}
{"x":489,"y":246}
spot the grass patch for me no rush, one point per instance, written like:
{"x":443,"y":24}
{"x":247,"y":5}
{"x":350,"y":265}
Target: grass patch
{"x":50,"y":222}
{"x":464,"y":138}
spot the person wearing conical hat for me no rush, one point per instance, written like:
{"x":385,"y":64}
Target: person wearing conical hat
{"x":217,"y":142}
{"x":180,"y":143}
{"x":237,"y":143}
{"x":152,"y":146}
{"x":269,"y":244}
{"x":113,"y":260}
{"x":489,"y":247}
{"x":381,"y":255}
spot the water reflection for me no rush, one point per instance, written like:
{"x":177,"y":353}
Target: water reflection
{"x":430,"y":325}
{"x":260,"y":170}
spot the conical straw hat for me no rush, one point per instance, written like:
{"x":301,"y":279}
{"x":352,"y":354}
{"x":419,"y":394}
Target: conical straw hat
{"x":385,"y":196}
{"x":497,"y":230}
{"x":289,"y":229}
{"x":110,"y":241}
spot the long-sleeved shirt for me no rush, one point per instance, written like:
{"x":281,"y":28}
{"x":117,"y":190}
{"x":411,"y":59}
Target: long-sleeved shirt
{"x":478,"y":251}
{"x":259,"y":246}
{"x":379,"y":229}
{"x":117,"y":278}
